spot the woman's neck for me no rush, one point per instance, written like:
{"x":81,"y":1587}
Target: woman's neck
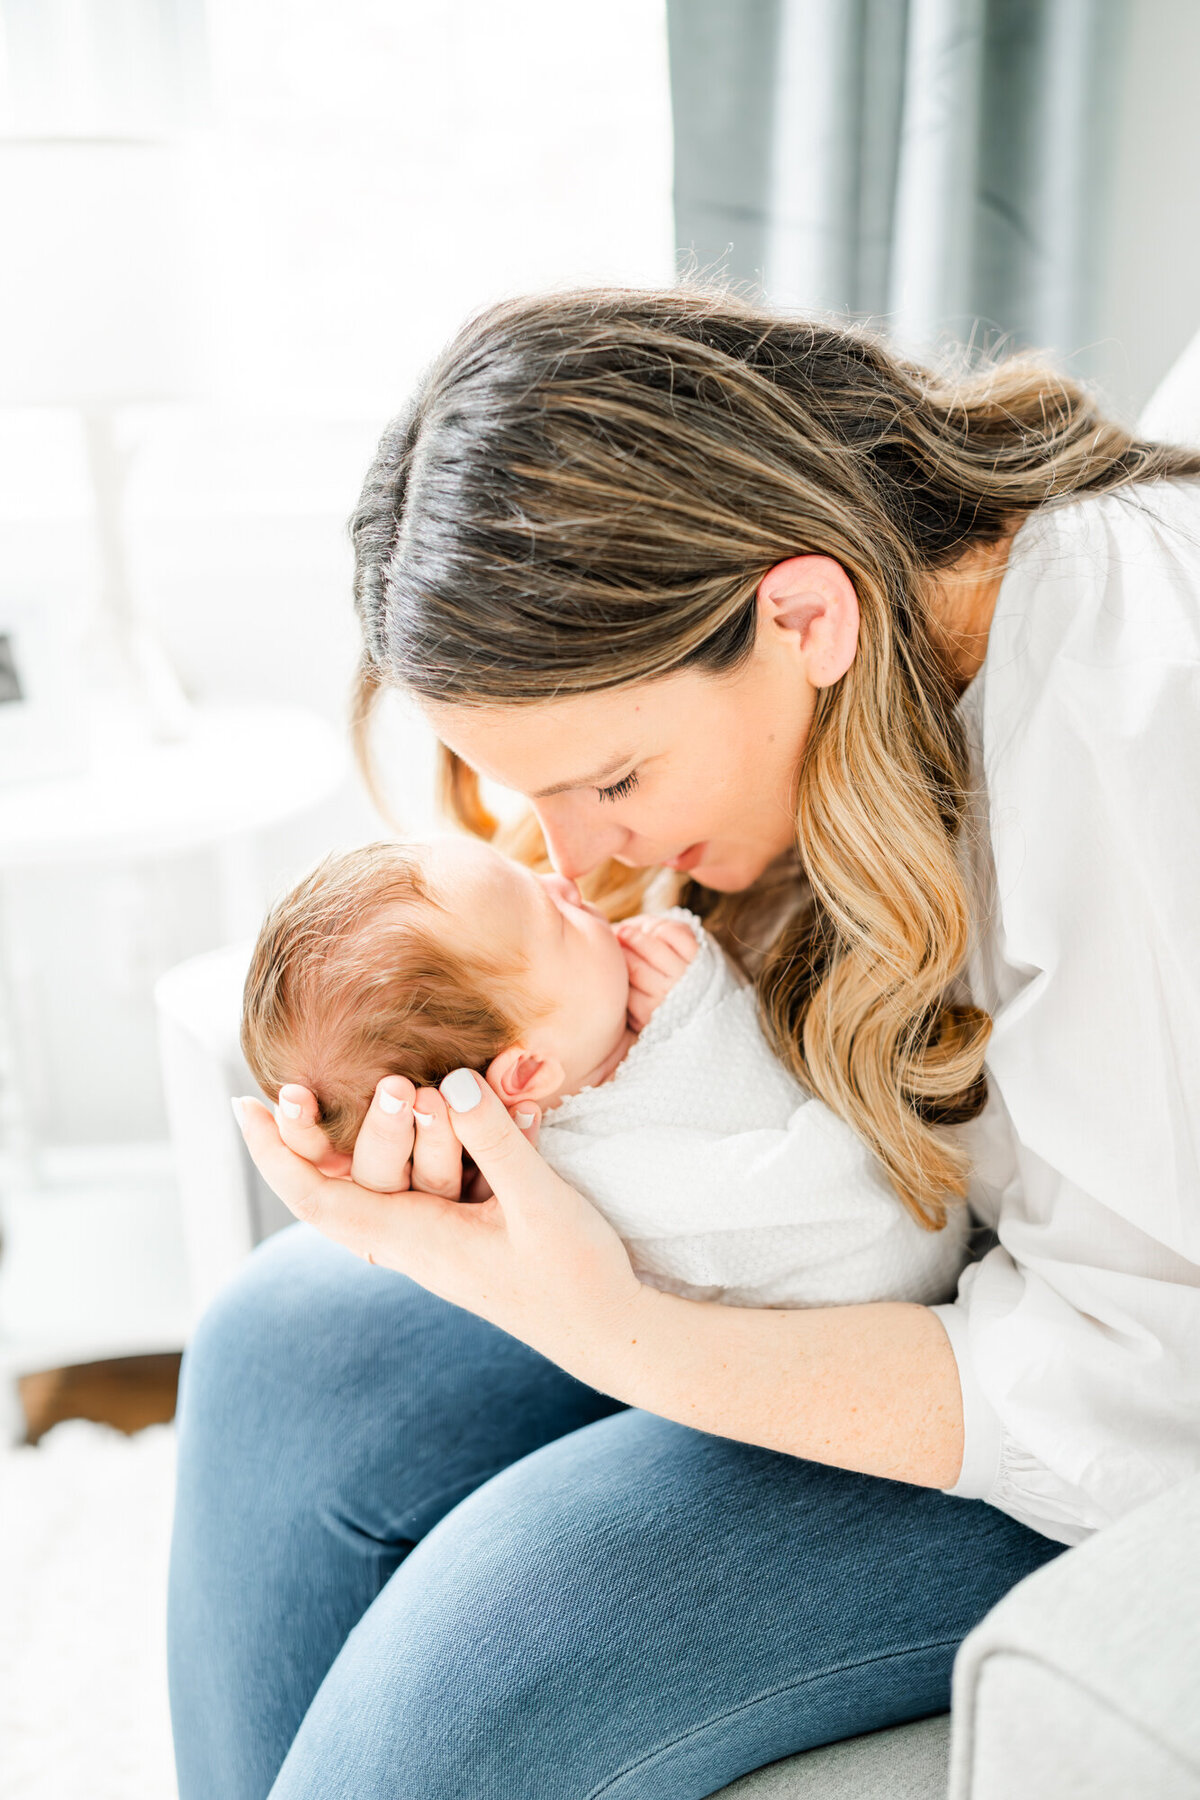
{"x":961,"y":602}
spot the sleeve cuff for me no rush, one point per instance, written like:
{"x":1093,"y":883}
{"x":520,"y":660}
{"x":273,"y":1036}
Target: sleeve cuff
{"x":981,"y":1423}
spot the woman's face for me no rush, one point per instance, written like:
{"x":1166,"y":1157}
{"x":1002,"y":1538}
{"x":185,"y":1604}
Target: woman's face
{"x":695,"y":771}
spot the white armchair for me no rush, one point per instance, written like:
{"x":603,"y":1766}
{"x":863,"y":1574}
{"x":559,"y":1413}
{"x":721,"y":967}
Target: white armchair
{"x":225,"y":1208}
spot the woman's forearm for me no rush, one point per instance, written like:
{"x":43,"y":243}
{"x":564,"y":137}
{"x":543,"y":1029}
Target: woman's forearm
{"x":873,"y":1388}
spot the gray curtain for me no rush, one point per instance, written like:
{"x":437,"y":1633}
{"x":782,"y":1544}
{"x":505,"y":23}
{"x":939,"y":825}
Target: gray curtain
{"x":939,"y":165}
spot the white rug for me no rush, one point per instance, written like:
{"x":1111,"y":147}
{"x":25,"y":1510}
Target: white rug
{"x":85,"y":1521}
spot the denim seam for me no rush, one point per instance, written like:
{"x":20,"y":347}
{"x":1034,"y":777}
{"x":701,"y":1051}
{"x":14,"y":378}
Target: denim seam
{"x":392,"y":1541}
{"x":475,"y":1481}
{"x":768,"y":1694}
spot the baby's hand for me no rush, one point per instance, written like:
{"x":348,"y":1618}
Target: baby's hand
{"x":657,"y":951}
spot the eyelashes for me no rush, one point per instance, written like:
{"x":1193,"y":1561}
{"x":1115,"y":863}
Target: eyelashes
{"x":620,"y":789}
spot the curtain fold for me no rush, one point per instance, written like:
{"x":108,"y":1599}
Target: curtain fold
{"x":939,"y":165}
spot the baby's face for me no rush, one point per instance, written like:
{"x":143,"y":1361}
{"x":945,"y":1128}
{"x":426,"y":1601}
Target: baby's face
{"x":575,"y":974}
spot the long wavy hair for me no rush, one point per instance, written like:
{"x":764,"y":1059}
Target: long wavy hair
{"x":586,"y":493}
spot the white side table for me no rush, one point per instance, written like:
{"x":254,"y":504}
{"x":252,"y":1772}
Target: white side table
{"x":93,"y":1263}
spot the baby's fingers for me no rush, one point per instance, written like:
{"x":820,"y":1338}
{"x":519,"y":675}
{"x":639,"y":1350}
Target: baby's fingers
{"x":645,"y":979}
{"x":640,"y":1008}
{"x":669,"y":947}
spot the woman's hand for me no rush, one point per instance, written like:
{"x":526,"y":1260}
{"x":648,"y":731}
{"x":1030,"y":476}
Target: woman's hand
{"x":534,"y":1257}
{"x":405,"y":1141}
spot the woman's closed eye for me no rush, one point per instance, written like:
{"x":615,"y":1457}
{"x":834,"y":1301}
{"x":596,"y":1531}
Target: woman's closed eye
{"x":619,"y":789}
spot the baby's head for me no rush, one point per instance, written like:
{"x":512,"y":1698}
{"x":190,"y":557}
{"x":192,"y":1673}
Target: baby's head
{"x":415,"y":959}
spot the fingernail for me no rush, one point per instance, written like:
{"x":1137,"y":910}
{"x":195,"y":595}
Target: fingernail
{"x":460,"y":1090}
{"x":239,"y":1113}
{"x":388,"y":1103}
{"x":288,"y":1108}
{"x":525,"y":1116}
{"x":422,"y":1118}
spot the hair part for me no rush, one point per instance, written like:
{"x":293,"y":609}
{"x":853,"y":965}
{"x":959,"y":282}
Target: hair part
{"x":587,"y":492}
{"x":351,"y":981}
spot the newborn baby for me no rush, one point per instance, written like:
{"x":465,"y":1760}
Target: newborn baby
{"x":663,"y":1101}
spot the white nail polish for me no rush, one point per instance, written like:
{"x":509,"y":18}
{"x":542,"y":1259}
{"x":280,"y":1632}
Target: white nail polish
{"x":422,"y":1118}
{"x":525,"y":1116}
{"x":388,"y":1103}
{"x":289,"y":1108}
{"x":460,"y":1090}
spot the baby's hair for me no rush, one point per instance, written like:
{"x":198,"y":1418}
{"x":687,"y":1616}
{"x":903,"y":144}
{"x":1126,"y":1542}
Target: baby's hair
{"x":352,"y":980}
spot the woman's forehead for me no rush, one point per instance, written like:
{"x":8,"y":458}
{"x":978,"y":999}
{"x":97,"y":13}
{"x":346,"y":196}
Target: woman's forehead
{"x":580,"y":740}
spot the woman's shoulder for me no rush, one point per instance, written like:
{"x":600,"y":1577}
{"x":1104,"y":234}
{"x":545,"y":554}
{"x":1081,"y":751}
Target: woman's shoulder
{"x":1088,"y":856}
{"x":1097,"y":622}
{"x":1087,"y":722}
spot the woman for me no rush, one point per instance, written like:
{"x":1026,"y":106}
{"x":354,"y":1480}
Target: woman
{"x":898,"y":673}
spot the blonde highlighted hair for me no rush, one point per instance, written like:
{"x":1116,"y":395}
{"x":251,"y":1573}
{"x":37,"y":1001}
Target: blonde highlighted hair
{"x":587,"y":492}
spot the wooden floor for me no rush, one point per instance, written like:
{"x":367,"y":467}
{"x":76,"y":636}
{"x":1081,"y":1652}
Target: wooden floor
{"x":130,"y":1393}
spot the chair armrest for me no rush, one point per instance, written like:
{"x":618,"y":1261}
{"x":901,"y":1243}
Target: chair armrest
{"x":224,"y":1207}
{"x":1083,"y":1681}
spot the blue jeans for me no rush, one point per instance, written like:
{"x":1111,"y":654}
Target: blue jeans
{"x":412,"y":1559}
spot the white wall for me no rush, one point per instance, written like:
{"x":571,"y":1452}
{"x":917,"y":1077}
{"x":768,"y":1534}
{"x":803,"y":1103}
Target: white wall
{"x":1149,"y":305}
{"x":371,"y":172}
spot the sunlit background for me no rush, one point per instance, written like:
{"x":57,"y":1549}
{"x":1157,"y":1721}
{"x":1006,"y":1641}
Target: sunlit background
{"x":233,"y":232}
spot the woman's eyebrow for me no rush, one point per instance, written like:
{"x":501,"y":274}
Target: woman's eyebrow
{"x":564,"y":787}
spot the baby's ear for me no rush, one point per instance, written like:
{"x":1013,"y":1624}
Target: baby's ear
{"x":520,"y":1074}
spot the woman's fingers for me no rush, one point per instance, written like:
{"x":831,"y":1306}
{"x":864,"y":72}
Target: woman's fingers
{"x":528,"y":1120}
{"x":437,"y":1155}
{"x":296,"y":1114}
{"x":527,"y":1117}
{"x":394,"y":1234}
{"x":298,"y":1182}
{"x":504,"y":1156}
{"x":384,"y":1146}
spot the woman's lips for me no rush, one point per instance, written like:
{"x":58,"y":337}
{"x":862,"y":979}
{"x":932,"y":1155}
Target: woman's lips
{"x":688,"y":860}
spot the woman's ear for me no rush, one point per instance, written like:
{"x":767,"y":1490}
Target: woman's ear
{"x":810,"y":609}
{"x":520,"y":1074}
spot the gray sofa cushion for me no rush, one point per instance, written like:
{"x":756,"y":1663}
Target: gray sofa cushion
{"x":907,"y":1762}
{"x":1085,"y":1680}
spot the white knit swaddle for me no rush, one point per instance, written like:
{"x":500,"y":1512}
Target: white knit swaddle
{"x":726,"y":1180}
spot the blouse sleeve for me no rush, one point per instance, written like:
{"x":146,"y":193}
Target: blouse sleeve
{"x":1076,"y":1335}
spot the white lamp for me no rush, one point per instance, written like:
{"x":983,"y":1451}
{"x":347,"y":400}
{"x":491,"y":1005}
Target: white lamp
{"x":96,"y":310}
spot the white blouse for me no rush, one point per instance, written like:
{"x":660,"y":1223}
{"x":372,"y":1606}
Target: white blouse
{"x":1077,"y":1334}
{"x":726,"y":1180}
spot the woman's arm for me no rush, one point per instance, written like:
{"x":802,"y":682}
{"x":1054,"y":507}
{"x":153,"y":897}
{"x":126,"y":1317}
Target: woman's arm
{"x":872,"y":1388}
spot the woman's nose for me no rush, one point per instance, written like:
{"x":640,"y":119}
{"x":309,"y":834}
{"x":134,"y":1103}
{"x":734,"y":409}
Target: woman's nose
{"x":577,"y":846}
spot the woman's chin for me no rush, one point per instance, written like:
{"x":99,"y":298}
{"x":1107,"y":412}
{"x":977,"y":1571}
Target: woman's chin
{"x":728,"y":875}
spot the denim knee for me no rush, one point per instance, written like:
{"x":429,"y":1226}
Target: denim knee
{"x":276,"y":1347}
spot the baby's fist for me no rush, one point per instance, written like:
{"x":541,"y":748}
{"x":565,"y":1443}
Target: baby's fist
{"x":657,"y":951}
